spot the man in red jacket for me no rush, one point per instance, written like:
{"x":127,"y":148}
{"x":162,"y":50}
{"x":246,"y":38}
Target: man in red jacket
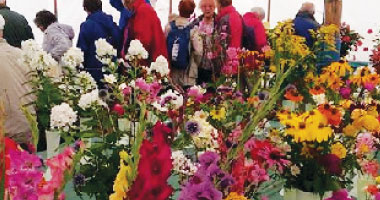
{"x":254,"y":19}
{"x":145,"y":26}
{"x":229,"y":22}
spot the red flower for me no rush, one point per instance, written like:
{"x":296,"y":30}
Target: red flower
{"x":372,"y":189}
{"x":346,"y":39}
{"x":369,"y":31}
{"x":118,"y":109}
{"x":365,"y":49}
{"x":155,"y":166}
{"x":360,"y":43}
{"x":331,"y":163}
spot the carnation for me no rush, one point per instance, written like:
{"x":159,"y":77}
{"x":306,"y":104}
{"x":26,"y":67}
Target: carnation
{"x":62,"y":116}
{"x":161,"y":66}
{"x":136,"y":49}
{"x":73,"y":58}
{"x":89,"y":99}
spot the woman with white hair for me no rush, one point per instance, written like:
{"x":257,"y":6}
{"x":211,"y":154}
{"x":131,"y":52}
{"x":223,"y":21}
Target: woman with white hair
{"x":254,"y":19}
{"x":305,"y":21}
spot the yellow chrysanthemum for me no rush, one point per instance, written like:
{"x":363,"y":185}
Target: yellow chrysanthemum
{"x":235,"y":196}
{"x":218,"y":114}
{"x":339,"y":150}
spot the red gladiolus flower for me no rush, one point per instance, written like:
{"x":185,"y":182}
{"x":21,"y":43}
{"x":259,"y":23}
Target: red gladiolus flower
{"x":154,"y":167}
{"x":9,"y":145}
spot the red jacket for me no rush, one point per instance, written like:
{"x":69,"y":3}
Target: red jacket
{"x":146,"y":27}
{"x":252,"y":20}
{"x":9,"y":145}
{"x":235,"y":24}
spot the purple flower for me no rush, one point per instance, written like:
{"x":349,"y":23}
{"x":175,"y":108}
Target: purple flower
{"x":345,"y":92}
{"x":79,"y":180}
{"x":192,"y":127}
{"x":227,"y":180}
{"x":208,"y":158}
{"x":204,"y":190}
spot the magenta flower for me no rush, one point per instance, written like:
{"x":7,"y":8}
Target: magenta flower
{"x":142,"y":85}
{"x":345,"y":92}
{"x":331,"y":163}
{"x":369,"y":86}
{"x":341,"y":194}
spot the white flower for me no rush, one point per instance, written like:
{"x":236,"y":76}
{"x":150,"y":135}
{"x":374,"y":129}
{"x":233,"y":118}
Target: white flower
{"x":136,"y":49}
{"x":183,"y":165}
{"x":295,"y":170}
{"x":319,"y":99}
{"x":104,"y":49}
{"x":35,"y":57}
{"x":62,"y":116}
{"x":161,"y":66}
{"x":84,"y":82}
{"x":122,"y":86}
{"x":171,"y":99}
{"x":111,"y":79}
{"x":89,"y":99}
{"x":73,"y":58}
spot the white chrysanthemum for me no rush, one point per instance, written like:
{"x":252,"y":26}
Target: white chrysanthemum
{"x":89,"y":99}
{"x":136,"y":49}
{"x":161,"y":66}
{"x":73,"y":58}
{"x":110,"y":78}
{"x":104,"y":49}
{"x":62,"y":116}
{"x":183,"y":165}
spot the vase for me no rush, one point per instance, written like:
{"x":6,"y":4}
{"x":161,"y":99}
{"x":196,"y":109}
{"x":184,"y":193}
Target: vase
{"x":295,"y":194}
{"x":52,"y":143}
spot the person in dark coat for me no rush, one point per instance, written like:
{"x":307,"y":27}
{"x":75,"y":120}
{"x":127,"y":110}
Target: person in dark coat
{"x":305,"y":22}
{"x":17,"y":28}
{"x":97,"y":25}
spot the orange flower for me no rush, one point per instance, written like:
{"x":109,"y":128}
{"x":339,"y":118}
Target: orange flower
{"x":372,"y":78}
{"x":372,"y":189}
{"x":332,"y":114}
{"x":293,"y":95}
{"x":317,"y":90}
{"x":253,"y":100}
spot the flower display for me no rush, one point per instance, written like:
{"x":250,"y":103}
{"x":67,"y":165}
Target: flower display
{"x":137,"y":50}
{"x":63,"y":116}
{"x":89,"y":99}
{"x":73,"y":58}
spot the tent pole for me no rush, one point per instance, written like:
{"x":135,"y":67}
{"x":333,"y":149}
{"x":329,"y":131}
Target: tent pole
{"x":55,"y":8}
{"x":170,"y":7}
{"x":269,"y":3}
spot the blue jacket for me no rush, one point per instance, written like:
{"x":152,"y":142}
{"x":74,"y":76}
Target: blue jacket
{"x":97,"y":25}
{"x":303,"y":23}
{"x":125,"y":14}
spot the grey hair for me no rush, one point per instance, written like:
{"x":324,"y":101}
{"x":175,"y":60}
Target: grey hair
{"x":308,"y":7}
{"x":260,"y":11}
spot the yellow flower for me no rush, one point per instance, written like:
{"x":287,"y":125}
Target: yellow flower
{"x":378,"y":180}
{"x":346,"y":103}
{"x":307,"y":150}
{"x":218,"y":114}
{"x":357,"y":113}
{"x":339,"y":150}
{"x":350,"y":131}
{"x":370,"y":123}
{"x":340,"y":68}
{"x":121,"y":186}
{"x":235,"y":196}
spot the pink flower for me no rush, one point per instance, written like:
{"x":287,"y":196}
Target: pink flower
{"x":229,"y":70}
{"x":370,"y":31}
{"x":257,"y":175}
{"x":370,"y":167}
{"x":264,"y":198}
{"x":369,"y":86}
{"x":364,"y":144}
{"x":142,"y":85}
{"x":232,"y":53}
{"x":127,"y":91}
{"x":345,"y":92}
{"x":341,"y":194}
{"x":377,"y":196}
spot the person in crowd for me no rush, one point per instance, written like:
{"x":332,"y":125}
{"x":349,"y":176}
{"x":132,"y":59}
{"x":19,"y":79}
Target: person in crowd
{"x":205,"y":26}
{"x":145,"y":26}
{"x":97,"y":25}
{"x":254,"y":19}
{"x":229,"y":23}
{"x":13,"y":77}
{"x":58,"y":38}
{"x":17,"y":28}
{"x":177,"y":30}
{"x":305,"y":22}
{"x":125,"y":14}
